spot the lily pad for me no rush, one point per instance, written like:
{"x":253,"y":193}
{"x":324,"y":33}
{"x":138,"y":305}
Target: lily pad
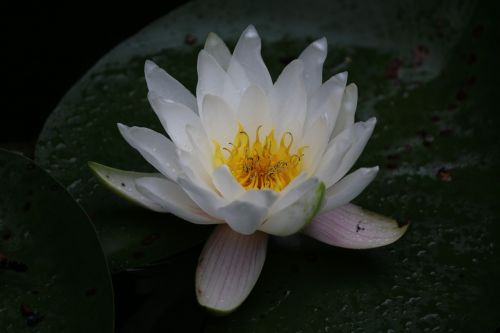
{"x":53,"y":273}
{"x":423,"y":70}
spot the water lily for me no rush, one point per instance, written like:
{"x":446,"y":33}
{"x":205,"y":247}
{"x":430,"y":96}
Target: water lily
{"x":255,"y":158}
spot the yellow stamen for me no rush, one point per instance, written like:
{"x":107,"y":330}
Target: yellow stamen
{"x":260,"y":165}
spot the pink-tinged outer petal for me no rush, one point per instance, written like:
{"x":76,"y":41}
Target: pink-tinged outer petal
{"x":228,"y":268}
{"x":353,"y":227}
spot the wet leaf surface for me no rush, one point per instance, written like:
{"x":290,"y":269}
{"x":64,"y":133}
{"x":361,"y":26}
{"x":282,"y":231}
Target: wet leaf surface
{"x":53,"y":274}
{"x":423,"y":69}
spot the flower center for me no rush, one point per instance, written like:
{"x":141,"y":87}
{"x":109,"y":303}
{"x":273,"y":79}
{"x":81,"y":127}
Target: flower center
{"x":260,"y":165}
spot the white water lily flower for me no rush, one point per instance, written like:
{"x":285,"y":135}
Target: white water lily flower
{"x":256,"y":158}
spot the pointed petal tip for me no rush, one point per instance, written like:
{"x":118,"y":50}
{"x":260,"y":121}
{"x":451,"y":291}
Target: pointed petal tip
{"x":212,"y":35}
{"x":321,"y":44}
{"x":122,"y":127}
{"x":212,"y":39}
{"x":367,"y":171}
{"x":122,"y":183}
{"x":124,"y":131}
{"x":343,"y":75}
{"x":366,"y":125}
{"x":250,"y":32}
{"x":149,"y":65}
{"x":96,"y":168}
{"x":372,"y":122}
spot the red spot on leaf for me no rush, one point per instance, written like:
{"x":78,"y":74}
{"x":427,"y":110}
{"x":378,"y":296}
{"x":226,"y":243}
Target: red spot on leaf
{"x":392,"y":69}
{"x":419,"y":54}
{"x":190,"y":39}
{"x":444,"y":174}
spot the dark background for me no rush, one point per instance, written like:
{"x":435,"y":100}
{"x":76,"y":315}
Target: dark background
{"x":46,"y":48}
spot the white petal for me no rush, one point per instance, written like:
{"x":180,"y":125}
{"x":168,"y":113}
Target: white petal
{"x":352,"y":227}
{"x":294,"y":217}
{"x":293,"y":191}
{"x":345,"y":118}
{"x":216,"y":47}
{"x":254,"y":111}
{"x":202,"y":149}
{"x":218,"y":120}
{"x":200,"y":193}
{"x":327,"y":100}
{"x":289,"y":100}
{"x":173,"y":199}
{"x":175,"y":117}
{"x":315,"y":140}
{"x":238,"y":76}
{"x":226,"y":184}
{"x":213,"y":80}
{"x":154,"y":147}
{"x":349,"y":188}
{"x":343,"y":152}
{"x":247,"y":53}
{"x":123,"y":183}
{"x":362,"y":133}
{"x":228,"y":268}
{"x":195,"y":169}
{"x":247,"y":212}
{"x":165,"y":86}
{"x":313,"y":57}
{"x":332,"y":158}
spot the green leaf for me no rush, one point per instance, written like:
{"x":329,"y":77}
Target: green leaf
{"x":424,"y":69}
{"x":53,"y":274}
